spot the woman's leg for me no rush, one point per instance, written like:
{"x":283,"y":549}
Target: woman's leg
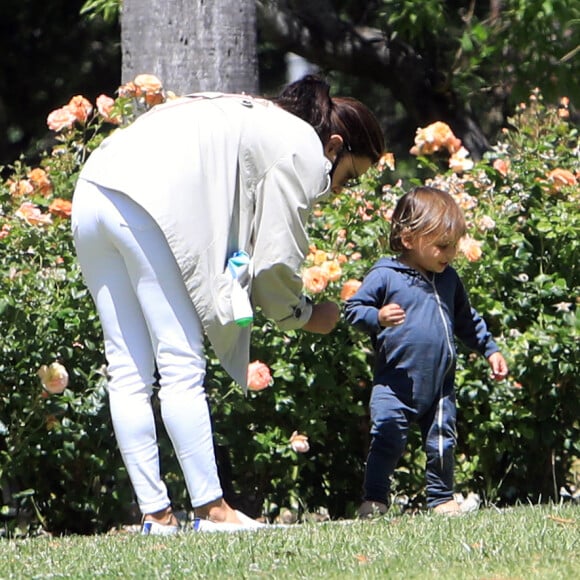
{"x":124,"y":257}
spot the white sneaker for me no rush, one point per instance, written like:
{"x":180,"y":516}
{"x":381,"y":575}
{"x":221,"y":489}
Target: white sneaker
{"x":247,"y":524}
{"x":155,"y":529}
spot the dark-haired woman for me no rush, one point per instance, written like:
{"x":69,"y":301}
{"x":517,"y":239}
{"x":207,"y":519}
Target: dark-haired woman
{"x":159,"y":209}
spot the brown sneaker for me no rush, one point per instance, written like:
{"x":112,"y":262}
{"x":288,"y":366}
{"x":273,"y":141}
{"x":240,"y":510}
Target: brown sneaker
{"x":371,"y":509}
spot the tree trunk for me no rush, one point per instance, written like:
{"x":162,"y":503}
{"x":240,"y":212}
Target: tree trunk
{"x":195,"y":45}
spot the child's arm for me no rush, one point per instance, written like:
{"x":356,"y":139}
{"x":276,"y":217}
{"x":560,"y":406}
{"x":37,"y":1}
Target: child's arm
{"x":362,"y":310}
{"x":499,"y":368}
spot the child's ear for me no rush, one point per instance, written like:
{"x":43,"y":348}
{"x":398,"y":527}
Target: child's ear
{"x":407,"y":241}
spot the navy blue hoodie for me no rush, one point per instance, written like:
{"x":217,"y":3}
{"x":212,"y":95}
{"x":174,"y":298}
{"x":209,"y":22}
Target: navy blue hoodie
{"x":417,"y":358}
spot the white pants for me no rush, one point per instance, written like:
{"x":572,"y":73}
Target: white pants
{"x":148,"y":320}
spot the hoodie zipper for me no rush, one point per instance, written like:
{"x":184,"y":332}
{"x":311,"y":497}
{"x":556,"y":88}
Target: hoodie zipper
{"x":450,"y":347}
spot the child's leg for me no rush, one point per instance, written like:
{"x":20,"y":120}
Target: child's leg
{"x":389,"y":428}
{"x":439,"y":436}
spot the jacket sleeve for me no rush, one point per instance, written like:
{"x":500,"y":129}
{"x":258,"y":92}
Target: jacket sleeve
{"x":284,"y":197}
{"x":362,"y":310}
{"x":470,"y":327}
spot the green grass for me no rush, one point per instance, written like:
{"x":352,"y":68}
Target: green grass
{"x":516,"y":543}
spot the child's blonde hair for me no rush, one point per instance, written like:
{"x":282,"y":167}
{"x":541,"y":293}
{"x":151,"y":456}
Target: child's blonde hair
{"x":426,"y":213}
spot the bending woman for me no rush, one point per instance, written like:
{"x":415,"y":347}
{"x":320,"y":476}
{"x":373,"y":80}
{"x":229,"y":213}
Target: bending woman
{"x":158,"y":210}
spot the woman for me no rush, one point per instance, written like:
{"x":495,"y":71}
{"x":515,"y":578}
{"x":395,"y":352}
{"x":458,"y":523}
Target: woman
{"x":158,"y":210}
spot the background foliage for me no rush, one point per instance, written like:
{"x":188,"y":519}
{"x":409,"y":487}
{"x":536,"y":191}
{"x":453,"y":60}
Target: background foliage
{"x":59,"y":467}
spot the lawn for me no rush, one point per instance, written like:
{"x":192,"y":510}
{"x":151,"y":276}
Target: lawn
{"x":515,"y":543}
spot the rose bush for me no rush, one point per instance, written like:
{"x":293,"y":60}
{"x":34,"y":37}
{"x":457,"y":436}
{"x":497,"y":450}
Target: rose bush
{"x":301,"y":442}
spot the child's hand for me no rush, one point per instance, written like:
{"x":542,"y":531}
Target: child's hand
{"x":499,"y":368}
{"x":391,"y":315}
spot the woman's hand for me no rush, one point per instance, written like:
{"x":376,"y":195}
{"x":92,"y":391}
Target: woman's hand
{"x":391,"y":315}
{"x":325,"y":316}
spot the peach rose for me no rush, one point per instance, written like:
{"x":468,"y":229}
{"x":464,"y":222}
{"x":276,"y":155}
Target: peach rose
{"x":54,"y":378}
{"x":81,"y":108}
{"x":386,"y":161}
{"x":314,"y":279}
{"x":4,"y":231}
{"x":332,"y":270}
{"x":349,"y":289}
{"x":435,"y":137}
{"x":105,"y":106}
{"x":299,"y":443}
{"x":61,"y":119}
{"x":128,"y":90}
{"x":560,"y":177}
{"x":471,"y":248}
{"x":20,"y":188}
{"x":40,"y":181}
{"x":502,"y":166}
{"x":150,"y":87}
{"x":60,"y":207}
{"x":259,"y":376}
{"x":32,"y":215}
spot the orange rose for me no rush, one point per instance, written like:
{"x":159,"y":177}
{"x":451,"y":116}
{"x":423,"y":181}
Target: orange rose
{"x":332,"y":270}
{"x":259,"y":376}
{"x":105,"y":106}
{"x":502,"y":166}
{"x":39,"y":179}
{"x":32,"y":215}
{"x":60,"y":207}
{"x":150,"y":87}
{"x":54,"y":378}
{"x":314,"y":279}
{"x":299,"y":442}
{"x":349,"y":289}
{"x":4,"y":231}
{"x":560,"y":177}
{"x":20,"y":188}
{"x":81,"y":108}
{"x":128,"y":90}
{"x":471,"y":248}
{"x":435,"y":137}
{"x":61,"y":119}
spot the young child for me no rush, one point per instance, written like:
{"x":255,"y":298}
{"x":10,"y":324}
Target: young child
{"x":411,"y":306}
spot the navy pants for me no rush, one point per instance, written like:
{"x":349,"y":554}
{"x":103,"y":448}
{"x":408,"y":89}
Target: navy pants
{"x":390,"y":421}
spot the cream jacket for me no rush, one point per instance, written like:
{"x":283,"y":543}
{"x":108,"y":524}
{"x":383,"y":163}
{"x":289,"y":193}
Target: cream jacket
{"x":221,"y":173}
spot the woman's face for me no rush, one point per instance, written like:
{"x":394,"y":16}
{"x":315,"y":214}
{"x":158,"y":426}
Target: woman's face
{"x":348,"y":170}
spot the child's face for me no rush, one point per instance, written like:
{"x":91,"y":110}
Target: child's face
{"x":430,"y":256}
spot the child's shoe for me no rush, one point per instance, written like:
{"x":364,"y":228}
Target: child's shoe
{"x":371,"y":509}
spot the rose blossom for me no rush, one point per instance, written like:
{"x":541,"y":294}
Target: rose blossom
{"x":485,"y":223}
{"x":502,"y":166}
{"x":20,"y":188}
{"x":150,"y":87}
{"x":60,"y":119}
{"x":458,"y":162}
{"x":299,"y":443}
{"x":470,"y":248}
{"x":81,"y":108}
{"x":32,"y":215}
{"x":559,"y":177}
{"x":259,"y":376}
{"x":105,"y":106}
{"x":433,"y":138}
{"x":349,"y":289}
{"x":40,"y":181}
{"x":332,"y":270}
{"x":54,"y":378}
{"x":314,"y":279}
{"x":60,"y":207}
